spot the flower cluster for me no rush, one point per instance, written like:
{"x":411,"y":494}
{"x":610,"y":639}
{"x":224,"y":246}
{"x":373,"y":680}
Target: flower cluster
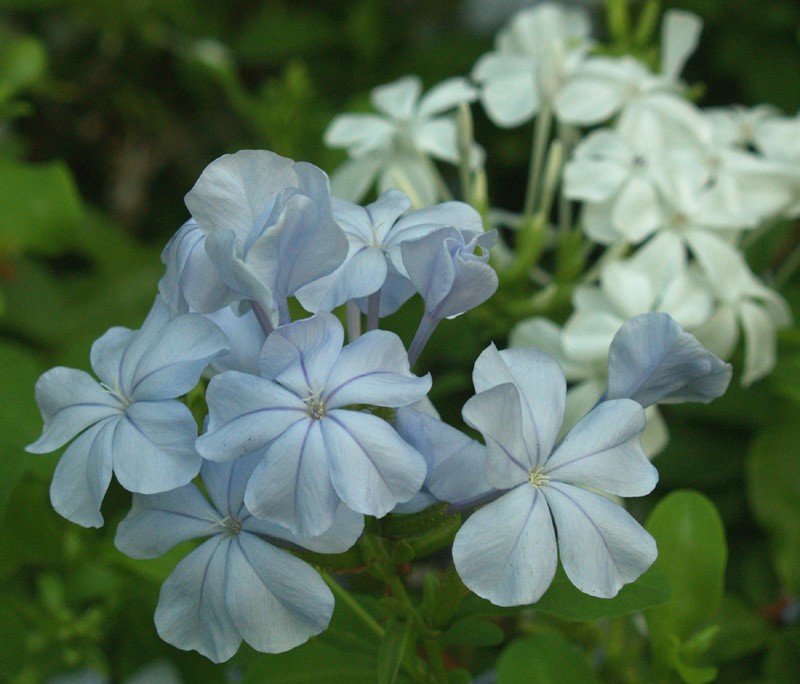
{"x":270,"y":310}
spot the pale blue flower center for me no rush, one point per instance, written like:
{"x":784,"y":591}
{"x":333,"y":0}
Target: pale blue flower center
{"x":117,"y":393}
{"x":230,"y":526}
{"x":315,"y":406}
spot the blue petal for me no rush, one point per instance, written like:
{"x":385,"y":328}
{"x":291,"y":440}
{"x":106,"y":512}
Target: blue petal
{"x":153,"y":447}
{"x":107,"y":352}
{"x":602,"y":547}
{"x":300,"y":355}
{"x":456,"y":463}
{"x":372,"y":468}
{"x":226,"y":482}
{"x":497,"y":415}
{"x":292,"y":484}
{"x":70,"y":401}
{"x":245,"y":339}
{"x":158,"y":522}
{"x":506,"y":551}
{"x":652,"y":359}
{"x":83,"y":474}
{"x":176,"y":357}
{"x":192,"y":613}
{"x":275,"y":600}
{"x":374,"y":370}
{"x":246,"y":412}
{"x":604,"y":451}
{"x":341,"y":535}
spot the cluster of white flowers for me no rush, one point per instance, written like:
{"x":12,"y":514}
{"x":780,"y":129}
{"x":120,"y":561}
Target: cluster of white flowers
{"x":670,"y":190}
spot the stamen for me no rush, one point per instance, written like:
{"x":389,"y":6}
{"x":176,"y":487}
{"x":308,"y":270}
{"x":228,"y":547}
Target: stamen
{"x":537,"y":478}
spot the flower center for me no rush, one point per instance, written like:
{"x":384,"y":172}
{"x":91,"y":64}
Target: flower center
{"x":316,"y":407}
{"x":537,"y":478}
{"x":231,"y":526}
{"x":117,"y":394}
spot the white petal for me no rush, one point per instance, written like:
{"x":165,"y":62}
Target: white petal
{"x":680,"y":35}
{"x":760,"y":342}
{"x":506,"y":551}
{"x":603,"y":451}
{"x":275,"y":600}
{"x":397,"y":99}
{"x":353,"y":179}
{"x":192,"y":613}
{"x":359,"y":132}
{"x":446,"y":95}
{"x":602,"y":547}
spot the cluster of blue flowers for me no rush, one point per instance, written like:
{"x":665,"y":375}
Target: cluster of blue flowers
{"x":305,"y":435}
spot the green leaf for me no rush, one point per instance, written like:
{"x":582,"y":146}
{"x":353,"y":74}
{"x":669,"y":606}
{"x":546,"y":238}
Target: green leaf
{"x":398,"y":638}
{"x":545,"y":658}
{"x":22,"y":62}
{"x":782,"y":663}
{"x":474,"y":632}
{"x":564,"y":600}
{"x":692,"y":553}
{"x":742,"y":632}
{"x":39,"y":205}
{"x":774,"y":491}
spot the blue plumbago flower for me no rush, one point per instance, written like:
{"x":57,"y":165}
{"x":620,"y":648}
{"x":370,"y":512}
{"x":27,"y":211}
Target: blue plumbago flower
{"x":136,"y":427}
{"x":374,"y":262}
{"x":451,"y":277}
{"x":268,"y":225}
{"x":652,"y":359}
{"x":506,"y":551}
{"x":321,"y":449}
{"x":236,"y":585}
{"x":191,"y":282}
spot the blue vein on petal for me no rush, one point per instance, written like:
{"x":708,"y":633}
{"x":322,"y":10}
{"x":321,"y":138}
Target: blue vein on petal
{"x":360,"y":446}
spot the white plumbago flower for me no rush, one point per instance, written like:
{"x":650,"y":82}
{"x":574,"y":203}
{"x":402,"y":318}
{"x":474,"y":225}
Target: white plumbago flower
{"x":395,"y":147}
{"x":743,"y":302}
{"x":506,"y":551}
{"x":531,"y":60}
{"x":778,"y":137}
{"x":737,"y":126}
{"x":237,"y":585}
{"x":602,"y":87}
{"x":130,"y":422}
{"x":305,"y":408}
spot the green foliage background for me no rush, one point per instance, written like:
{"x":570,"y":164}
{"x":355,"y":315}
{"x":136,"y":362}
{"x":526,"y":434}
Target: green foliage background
{"x":109,"y":111}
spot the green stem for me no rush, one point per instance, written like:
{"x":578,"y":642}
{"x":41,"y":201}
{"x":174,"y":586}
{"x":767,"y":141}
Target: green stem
{"x":345,"y":596}
{"x":434,"y":651}
{"x":541,"y":132}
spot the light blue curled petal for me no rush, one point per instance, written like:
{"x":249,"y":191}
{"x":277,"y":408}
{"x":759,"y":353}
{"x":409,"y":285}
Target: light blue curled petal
{"x":226,"y":482}
{"x":602,"y":547}
{"x":106,"y":355}
{"x":372,"y":468}
{"x":542,"y":386}
{"x":153,"y":447}
{"x":474,"y":283}
{"x":300,"y":355}
{"x":374,"y":370}
{"x":497,"y":415}
{"x":70,"y":400}
{"x":341,"y":535}
{"x":158,"y":522}
{"x":604,"y":451}
{"x":236,"y":189}
{"x":456,"y":463}
{"x":362,"y":272}
{"x":430,"y":265}
{"x":291,"y":486}
{"x":396,"y":291}
{"x":191,"y":282}
{"x":192,"y":613}
{"x":83,"y":474}
{"x":178,"y":355}
{"x":506,"y":551}
{"x":246,"y":413}
{"x":275,"y":600}
{"x":653,"y":359}
{"x":245,"y":339}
